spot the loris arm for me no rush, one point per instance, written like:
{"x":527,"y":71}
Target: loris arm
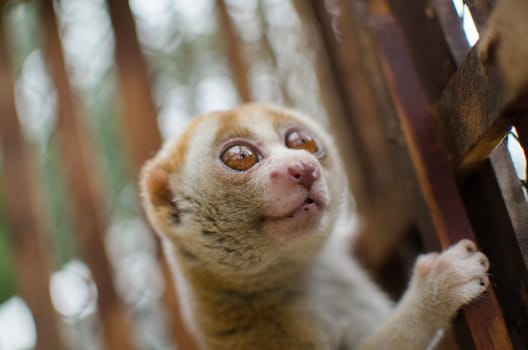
{"x":440,"y":285}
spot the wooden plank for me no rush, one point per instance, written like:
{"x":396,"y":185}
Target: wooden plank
{"x":233,"y":52}
{"x":27,"y":231}
{"x":264,"y":51}
{"x":142,"y":135}
{"x":355,"y":94}
{"x":491,"y":196}
{"x":87,"y":204}
{"x":471,"y":119}
{"x":483,"y":318}
{"x":421,"y":27}
{"x":353,"y":80}
{"x":495,"y":203}
{"x":434,"y":64}
{"x":339,"y":126}
{"x":453,"y":31}
{"x":489,"y":90}
{"x":328,"y":56}
{"x":352,"y":65}
{"x":514,"y":201}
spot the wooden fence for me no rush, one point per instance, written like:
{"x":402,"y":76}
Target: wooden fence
{"x":420,"y":116}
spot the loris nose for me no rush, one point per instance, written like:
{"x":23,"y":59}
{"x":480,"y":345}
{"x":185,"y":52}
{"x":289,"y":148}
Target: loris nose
{"x":304,"y":173}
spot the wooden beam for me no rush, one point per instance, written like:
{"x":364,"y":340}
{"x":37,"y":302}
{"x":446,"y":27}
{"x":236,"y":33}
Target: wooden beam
{"x":471,"y":117}
{"x":381,"y":175}
{"x":483,"y":318}
{"x":515,"y":203}
{"x":420,"y":28}
{"x":489,"y":90}
{"x":233,"y":52}
{"x":353,"y":87}
{"x":453,"y":31}
{"x":333,"y":106}
{"x":27,"y":232}
{"x":495,"y":203}
{"x":499,"y":214}
{"x":138,"y":108}
{"x":142,"y":136}
{"x":87,"y":205}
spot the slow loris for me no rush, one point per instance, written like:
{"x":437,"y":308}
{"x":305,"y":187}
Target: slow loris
{"x":252,"y":208}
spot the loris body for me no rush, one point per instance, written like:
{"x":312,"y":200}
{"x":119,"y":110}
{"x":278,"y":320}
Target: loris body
{"x":252,"y":207}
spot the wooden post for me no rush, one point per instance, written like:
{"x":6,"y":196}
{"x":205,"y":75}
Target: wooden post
{"x":139,"y":122}
{"x":233,"y":53}
{"x":483,"y":318}
{"x":492,"y":192}
{"x":452,"y":28}
{"x":499,"y":214}
{"x":27,"y":232}
{"x":87,"y":204}
{"x":381,"y":180}
{"x":487,"y":93}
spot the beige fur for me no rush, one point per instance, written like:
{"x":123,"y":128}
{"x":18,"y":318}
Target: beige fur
{"x":260,"y":256}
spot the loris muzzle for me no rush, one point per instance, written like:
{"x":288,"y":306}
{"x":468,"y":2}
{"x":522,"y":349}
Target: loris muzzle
{"x":253,"y":210}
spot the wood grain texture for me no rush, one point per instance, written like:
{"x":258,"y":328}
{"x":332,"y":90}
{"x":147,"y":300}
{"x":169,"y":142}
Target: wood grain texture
{"x":452,"y":30}
{"x":341,"y":43}
{"x":499,"y":214}
{"x":382,"y":176}
{"x":427,"y":44}
{"x":497,"y":207}
{"x":472,"y":118}
{"x":483,"y":318}
{"x":489,"y":90}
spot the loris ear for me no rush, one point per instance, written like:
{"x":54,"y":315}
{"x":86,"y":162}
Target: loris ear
{"x":158,"y":198}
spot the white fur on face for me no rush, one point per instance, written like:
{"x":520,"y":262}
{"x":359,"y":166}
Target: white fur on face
{"x":290,"y":206}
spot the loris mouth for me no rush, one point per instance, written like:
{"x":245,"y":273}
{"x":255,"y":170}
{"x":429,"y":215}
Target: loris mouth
{"x":309,"y":205}
{"x":301,"y":220}
{"x":296,"y":209}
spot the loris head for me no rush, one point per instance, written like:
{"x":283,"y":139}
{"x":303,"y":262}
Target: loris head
{"x":243,"y":190}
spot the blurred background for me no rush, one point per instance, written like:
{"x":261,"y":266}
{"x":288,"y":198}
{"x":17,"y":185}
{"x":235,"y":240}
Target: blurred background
{"x":90,"y":88}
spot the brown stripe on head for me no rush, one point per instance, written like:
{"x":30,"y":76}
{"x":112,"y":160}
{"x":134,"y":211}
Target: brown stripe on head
{"x":231,"y":123}
{"x":279,"y":116}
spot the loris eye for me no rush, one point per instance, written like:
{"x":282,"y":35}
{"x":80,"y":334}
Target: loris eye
{"x":239,"y":157}
{"x":301,"y":140}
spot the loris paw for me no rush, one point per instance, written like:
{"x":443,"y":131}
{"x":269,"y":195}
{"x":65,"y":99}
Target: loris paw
{"x":451,"y":279}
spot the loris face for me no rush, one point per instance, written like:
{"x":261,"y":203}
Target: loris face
{"x":243,"y":189}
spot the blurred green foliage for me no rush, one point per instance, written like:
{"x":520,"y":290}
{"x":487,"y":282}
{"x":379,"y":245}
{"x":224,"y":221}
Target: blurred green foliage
{"x":7,"y":265}
{"x":59,"y":212}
